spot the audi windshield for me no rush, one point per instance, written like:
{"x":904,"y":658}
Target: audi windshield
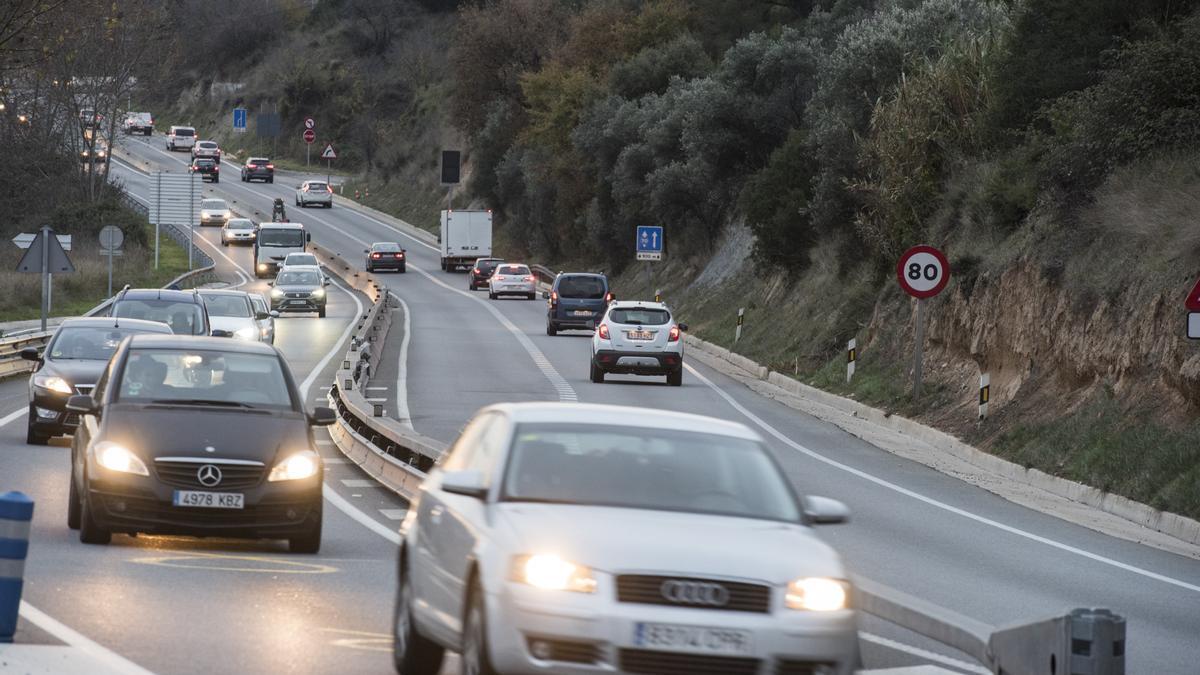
{"x":635,"y":467}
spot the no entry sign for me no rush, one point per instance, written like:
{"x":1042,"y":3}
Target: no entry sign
{"x":923,"y":271}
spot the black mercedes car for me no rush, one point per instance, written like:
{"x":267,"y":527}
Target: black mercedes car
{"x":196,"y":436}
{"x":71,"y":363}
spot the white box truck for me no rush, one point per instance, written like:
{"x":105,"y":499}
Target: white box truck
{"x":274,"y":242}
{"x":465,"y":236}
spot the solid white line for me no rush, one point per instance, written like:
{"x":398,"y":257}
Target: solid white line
{"x":360,"y":483}
{"x":924,"y":653}
{"x":377,"y":388}
{"x":394,"y":514}
{"x":316,"y":371}
{"x":375,"y":400}
{"x":933,"y":502}
{"x":351,"y":510}
{"x":403,"y":415}
{"x":13,"y":415}
{"x":111,"y":659}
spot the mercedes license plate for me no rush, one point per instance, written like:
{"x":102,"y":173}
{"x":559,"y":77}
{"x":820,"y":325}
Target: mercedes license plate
{"x":692,"y":638}
{"x":640,"y":335}
{"x":210,"y":500}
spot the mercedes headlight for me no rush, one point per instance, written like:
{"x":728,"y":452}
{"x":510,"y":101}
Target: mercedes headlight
{"x":552,"y":573}
{"x":53,"y":383}
{"x":319,"y":293}
{"x":303,"y":464}
{"x":247,"y":333}
{"x":817,"y":594}
{"x":276,"y":293}
{"x":119,"y":458}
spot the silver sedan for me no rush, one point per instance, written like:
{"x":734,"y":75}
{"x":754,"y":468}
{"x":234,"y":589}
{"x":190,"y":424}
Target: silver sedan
{"x":512,"y":279}
{"x":572,"y":539}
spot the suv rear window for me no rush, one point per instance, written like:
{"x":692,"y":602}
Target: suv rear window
{"x":207,"y":144}
{"x":513,"y":269}
{"x":185,"y":132}
{"x":583,"y":288}
{"x":639,"y":316}
{"x":316,"y":186}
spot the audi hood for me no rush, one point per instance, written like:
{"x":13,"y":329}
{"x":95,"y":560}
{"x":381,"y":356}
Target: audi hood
{"x":621,"y":539}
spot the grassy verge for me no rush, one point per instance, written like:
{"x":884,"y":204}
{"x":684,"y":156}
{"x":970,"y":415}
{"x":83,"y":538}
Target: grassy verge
{"x":76,"y":293}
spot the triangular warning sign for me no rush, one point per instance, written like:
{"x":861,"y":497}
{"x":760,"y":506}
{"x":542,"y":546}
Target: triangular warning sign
{"x":1193,"y":298}
{"x":57,"y":261}
{"x":328,"y":152}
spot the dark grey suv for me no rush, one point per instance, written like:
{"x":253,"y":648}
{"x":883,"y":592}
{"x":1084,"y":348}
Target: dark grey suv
{"x":576,"y":301}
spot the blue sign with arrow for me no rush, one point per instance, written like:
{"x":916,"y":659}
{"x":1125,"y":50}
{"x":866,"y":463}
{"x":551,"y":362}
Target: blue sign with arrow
{"x":239,"y":119}
{"x":649,"y":242}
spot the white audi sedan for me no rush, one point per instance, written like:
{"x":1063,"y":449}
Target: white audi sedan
{"x":584,"y":539}
{"x":512,"y":279}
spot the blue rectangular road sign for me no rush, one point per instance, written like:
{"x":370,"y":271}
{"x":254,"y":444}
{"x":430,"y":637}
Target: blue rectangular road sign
{"x":649,"y":239}
{"x":239,"y":119}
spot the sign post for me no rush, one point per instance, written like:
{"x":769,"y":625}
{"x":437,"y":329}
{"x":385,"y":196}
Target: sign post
{"x":45,"y":255}
{"x":328,"y":154}
{"x":310,"y":135}
{"x":111,"y":238}
{"x":649,"y":246}
{"x":923,"y":272}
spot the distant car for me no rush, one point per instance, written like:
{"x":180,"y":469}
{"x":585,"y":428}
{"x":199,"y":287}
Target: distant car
{"x":196,"y":436}
{"x":207,"y":149}
{"x":638,"y":338}
{"x":98,"y":152}
{"x":573,"y":538}
{"x":233,"y":313}
{"x":304,"y":259}
{"x":238,"y":230}
{"x":73,"y":360}
{"x":386,"y":255}
{"x":181,"y":137}
{"x":300,"y":289}
{"x":138,"y":122}
{"x":208,"y":169}
{"x":258,"y":168}
{"x":314,"y":192}
{"x":481,"y":272}
{"x":576,"y":301}
{"x":266,"y":327}
{"x":512,"y":279}
{"x":214,"y":212}
{"x":183,"y":311}
{"x":90,"y":119}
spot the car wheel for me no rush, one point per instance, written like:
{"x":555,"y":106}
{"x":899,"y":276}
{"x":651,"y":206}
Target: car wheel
{"x":90,"y":531}
{"x":321,"y":312}
{"x":216,"y":180}
{"x":531,"y":296}
{"x":329,"y":205}
{"x":491,"y":295}
{"x":271,"y":180}
{"x":412,"y":654}
{"x":309,"y":542}
{"x":73,"y":507}
{"x":403,"y":269}
{"x":224,"y":243}
{"x":475,"y":659}
{"x":597,"y":374}
{"x":675,"y":379}
{"x":32,"y":435}
{"x":551,"y":329}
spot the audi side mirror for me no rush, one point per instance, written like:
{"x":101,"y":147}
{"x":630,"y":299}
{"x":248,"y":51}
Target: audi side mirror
{"x":261,"y":316}
{"x":217,"y":332}
{"x":825,"y":511}
{"x":322,"y":417}
{"x":327,"y":281}
{"x":308,"y":236}
{"x":270,"y":283}
{"x":274,"y":314}
{"x":31,"y":354}
{"x":466,"y":483}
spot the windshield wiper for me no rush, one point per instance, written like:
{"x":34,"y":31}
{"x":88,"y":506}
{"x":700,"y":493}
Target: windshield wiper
{"x":201,"y":401}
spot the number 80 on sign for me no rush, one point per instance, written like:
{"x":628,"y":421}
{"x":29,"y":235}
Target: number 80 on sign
{"x":923,"y":271}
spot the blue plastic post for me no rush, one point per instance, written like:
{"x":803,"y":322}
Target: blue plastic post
{"x":16,"y":513}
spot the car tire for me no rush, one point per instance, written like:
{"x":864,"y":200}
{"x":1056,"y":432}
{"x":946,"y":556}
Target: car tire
{"x":216,"y":180}
{"x":370,"y":269}
{"x":475,"y":657}
{"x":32,"y":435}
{"x":271,"y":179}
{"x":90,"y":531}
{"x":403,"y":269}
{"x":73,"y":506}
{"x":309,"y":542}
{"x":412,"y":653}
{"x":321,"y":312}
{"x":531,"y":296}
{"x":551,"y":329}
{"x":597,"y":374}
{"x":223,"y":242}
{"x":675,"y":379}
{"x":491,"y":295}
{"x":329,"y":205}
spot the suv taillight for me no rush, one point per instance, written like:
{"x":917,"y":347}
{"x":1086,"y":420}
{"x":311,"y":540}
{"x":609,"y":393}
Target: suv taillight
{"x":607,"y":298}
{"x":529,"y":278}
{"x":673,"y":336}
{"x":603,"y":330}
{"x":271,"y":166}
{"x":553,"y":297}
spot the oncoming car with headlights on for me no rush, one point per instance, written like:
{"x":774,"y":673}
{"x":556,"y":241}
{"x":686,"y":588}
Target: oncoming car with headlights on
{"x":214,"y":212}
{"x":71,"y":363}
{"x":233,"y":313}
{"x":299,"y":289}
{"x":196,"y":436}
{"x":575,"y":538}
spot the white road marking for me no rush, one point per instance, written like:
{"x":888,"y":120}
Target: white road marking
{"x":402,"y":412}
{"x":366,"y":521}
{"x":324,"y":442}
{"x":376,"y":400}
{"x":335,"y":460}
{"x":374,"y":388}
{"x":923,"y":653}
{"x":110,"y":659}
{"x":13,"y":415}
{"x":933,"y":502}
{"x":394,"y":514}
{"x":360,"y":483}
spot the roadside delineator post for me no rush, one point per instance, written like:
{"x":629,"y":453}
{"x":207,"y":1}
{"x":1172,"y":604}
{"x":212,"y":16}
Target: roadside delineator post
{"x":16,"y":513}
{"x":737,"y":335}
{"x":658,"y":295}
{"x":851,"y":357}
{"x":985,"y":393}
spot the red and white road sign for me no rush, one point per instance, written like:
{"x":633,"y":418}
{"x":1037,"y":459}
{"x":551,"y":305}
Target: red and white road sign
{"x":923,"y":271}
{"x":310,"y":123}
{"x":309,"y":136}
{"x":1193,"y":299}
{"x":328,"y":152}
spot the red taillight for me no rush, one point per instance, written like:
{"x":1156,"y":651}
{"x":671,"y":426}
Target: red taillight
{"x":673,"y":336}
{"x":603,"y":330}
{"x":375,"y":256}
{"x":476,"y":270}
{"x":216,"y":168}
{"x":554,"y":297}
{"x":529,"y":278}
{"x":329,"y":189}
{"x":607,"y":298}
{"x":270,"y":166}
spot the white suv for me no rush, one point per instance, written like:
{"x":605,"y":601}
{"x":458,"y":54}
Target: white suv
{"x":638,"y":338}
{"x":314,"y":192}
{"x":208,"y":149}
{"x":181,"y":137}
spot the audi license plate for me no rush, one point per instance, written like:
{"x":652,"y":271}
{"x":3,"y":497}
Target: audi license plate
{"x":640,"y":335}
{"x":692,"y":638}
{"x":582,"y":312}
{"x":210,"y":500}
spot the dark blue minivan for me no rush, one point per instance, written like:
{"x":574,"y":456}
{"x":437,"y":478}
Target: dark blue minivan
{"x":576,"y":301}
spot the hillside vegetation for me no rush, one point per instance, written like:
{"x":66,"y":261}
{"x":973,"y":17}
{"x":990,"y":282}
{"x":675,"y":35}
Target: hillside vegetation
{"x":792,"y":149}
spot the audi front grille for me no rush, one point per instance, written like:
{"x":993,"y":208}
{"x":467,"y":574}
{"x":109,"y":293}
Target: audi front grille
{"x":733,"y":596}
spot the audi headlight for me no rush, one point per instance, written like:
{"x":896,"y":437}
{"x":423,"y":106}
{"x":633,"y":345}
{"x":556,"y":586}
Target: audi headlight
{"x":247,"y":333}
{"x":817,"y":594}
{"x":276,"y":293}
{"x":318,"y":293}
{"x":303,"y":464}
{"x":53,"y":383}
{"x":552,"y":573}
{"x":119,"y":458}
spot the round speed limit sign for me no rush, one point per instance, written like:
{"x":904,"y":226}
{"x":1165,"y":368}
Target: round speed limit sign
{"x":923,"y":271}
